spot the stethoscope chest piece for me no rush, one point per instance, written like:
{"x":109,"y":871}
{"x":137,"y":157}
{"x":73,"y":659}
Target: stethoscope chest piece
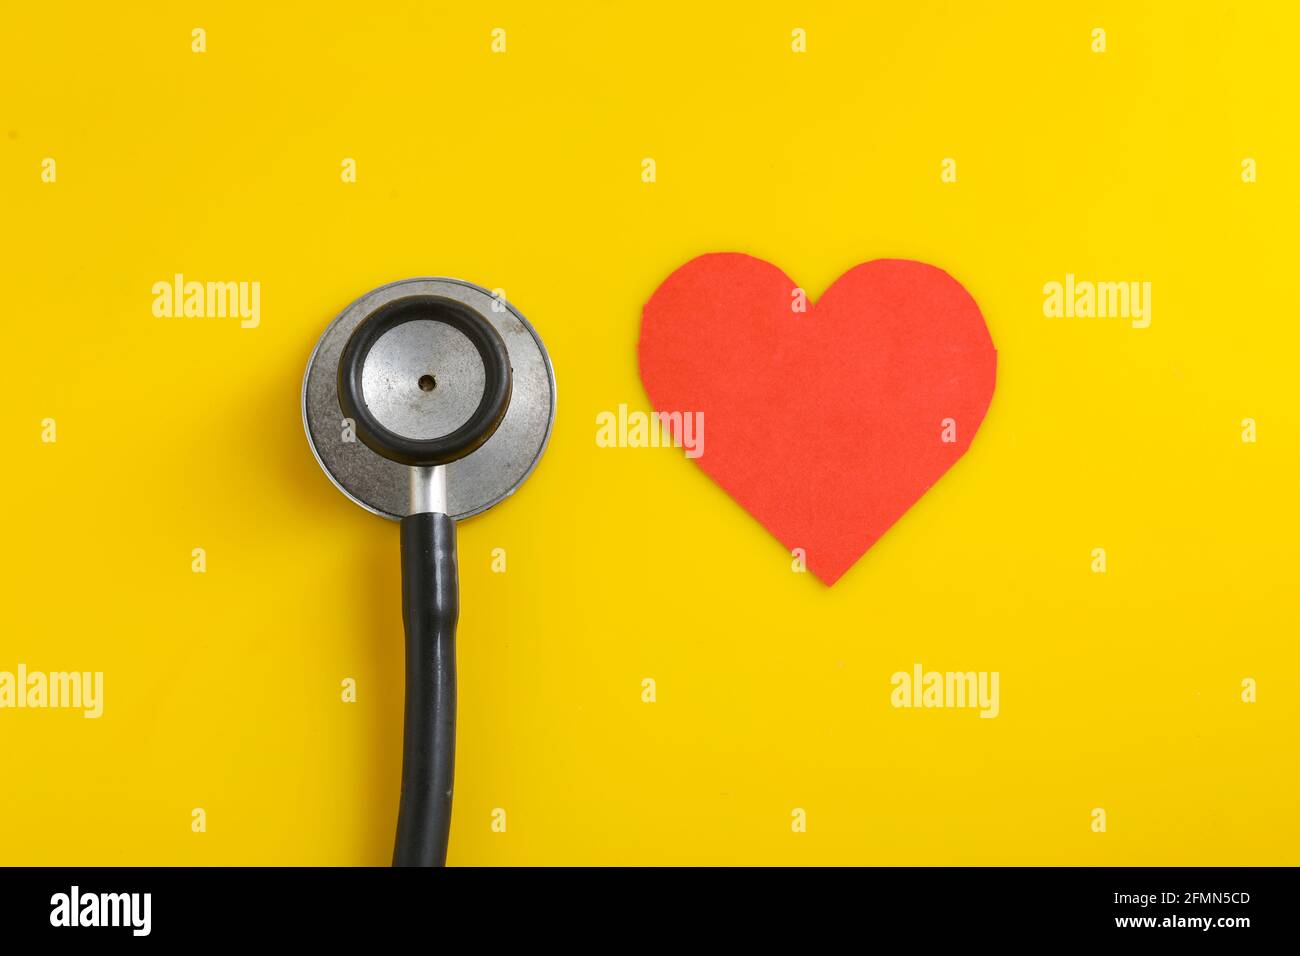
{"x":427,"y":401}
{"x":422,"y":377}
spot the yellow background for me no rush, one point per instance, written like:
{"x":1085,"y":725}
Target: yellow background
{"x":522,"y":170}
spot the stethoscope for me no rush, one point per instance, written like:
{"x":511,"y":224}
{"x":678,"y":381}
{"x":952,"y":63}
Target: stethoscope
{"x":428,"y":401}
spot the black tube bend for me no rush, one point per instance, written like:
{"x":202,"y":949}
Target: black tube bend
{"x":430,"y":606}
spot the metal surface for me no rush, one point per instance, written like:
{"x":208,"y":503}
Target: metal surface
{"x":423,"y":379}
{"x":475,"y":483}
{"x":428,"y":490}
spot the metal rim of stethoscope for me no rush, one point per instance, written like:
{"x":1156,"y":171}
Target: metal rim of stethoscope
{"x":477,"y":482}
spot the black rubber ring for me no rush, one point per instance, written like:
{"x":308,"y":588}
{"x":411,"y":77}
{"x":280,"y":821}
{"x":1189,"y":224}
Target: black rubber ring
{"x":469,"y":436}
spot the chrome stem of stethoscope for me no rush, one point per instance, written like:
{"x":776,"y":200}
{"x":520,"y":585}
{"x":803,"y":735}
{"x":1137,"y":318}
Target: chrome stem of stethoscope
{"x":428,"y":490}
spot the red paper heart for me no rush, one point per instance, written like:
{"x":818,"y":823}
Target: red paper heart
{"x":825,"y":425}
